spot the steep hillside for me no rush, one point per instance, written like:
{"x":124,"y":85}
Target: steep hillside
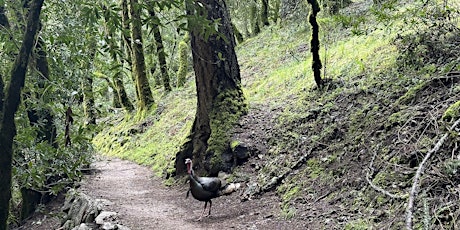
{"x":344,"y":156}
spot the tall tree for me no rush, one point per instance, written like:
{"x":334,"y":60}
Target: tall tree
{"x":120,"y":95}
{"x":145,"y":99}
{"x":254,"y":16}
{"x":160,"y":48}
{"x":10,"y":107}
{"x":220,"y":98}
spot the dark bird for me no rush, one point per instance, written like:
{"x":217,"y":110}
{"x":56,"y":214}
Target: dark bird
{"x":207,"y":188}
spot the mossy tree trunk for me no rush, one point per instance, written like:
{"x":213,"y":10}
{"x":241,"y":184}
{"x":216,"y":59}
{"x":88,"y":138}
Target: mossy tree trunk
{"x":220,"y":98}
{"x":264,"y":13}
{"x":316,"y":64}
{"x":160,"y":50}
{"x":120,"y":96}
{"x":254,"y":18}
{"x":10,"y":107}
{"x":145,"y":99}
{"x":276,"y":10}
{"x":183,"y":61}
{"x":126,"y":42}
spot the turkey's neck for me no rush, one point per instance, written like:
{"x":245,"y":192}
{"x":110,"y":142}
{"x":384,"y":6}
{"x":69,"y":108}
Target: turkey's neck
{"x":190,"y":169}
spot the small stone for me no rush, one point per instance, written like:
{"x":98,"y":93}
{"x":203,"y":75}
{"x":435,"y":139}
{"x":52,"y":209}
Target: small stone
{"x":105,"y":216}
{"x":109,"y":226}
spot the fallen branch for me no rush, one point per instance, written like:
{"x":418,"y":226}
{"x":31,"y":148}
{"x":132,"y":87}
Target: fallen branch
{"x":418,"y":174}
{"x":377,"y":188}
{"x":277,"y":179}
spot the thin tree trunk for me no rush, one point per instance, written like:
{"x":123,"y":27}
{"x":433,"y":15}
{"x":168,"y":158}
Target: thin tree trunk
{"x":42,"y":117}
{"x":88,"y":95}
{"x":220,"y":98}
{"x":126,"y":42}
{"x":10,"y":107}
{"x":160,"y":51}
{"x":264,"y":13}
{"x":120,"y":96}
{"x":316,"y":65}
{"x":139,"y":69}
{"x":255,"y":19}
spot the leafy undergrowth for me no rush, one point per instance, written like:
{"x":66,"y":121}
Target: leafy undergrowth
{"x":391,"y":98}
{"x":392,"y":90}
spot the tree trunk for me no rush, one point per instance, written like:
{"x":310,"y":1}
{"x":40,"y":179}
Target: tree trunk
{"x":255,"y":19}
{"x":316,"y":64}
{"x":42,"y":117}
{"x":88,"y":95}
{"x":160,"y":51}
{"x":11,"y":104}
{"x":139,"y":69}
{"x":183,"y":61}
{"x":121,"y":92}
{"x":264,"y":13}
{"x":220,"y":98}
{"x":126,"y":42}
{"x":120,"y":96}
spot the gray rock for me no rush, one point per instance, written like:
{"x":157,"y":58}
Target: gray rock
{"x":105,"y":216}
{"x":109,"y":226}
{"x":82,"y":227}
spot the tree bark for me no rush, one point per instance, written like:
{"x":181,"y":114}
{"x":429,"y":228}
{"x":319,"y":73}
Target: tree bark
{"x":220,"y":98}
{"x":42,"y":117}
{"x":126,"y":42}
{"x":255,"y":19}
{"x":10,"y":107}
{"x":139,"y":69}
{"x":160,"y":51}
{"x":88,"y":94}
{"x":316,"y":64}
{"x":120,"y":96}
{"x":264,"y":13}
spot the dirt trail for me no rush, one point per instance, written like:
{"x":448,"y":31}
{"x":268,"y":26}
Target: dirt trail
{"x":143,"y":202}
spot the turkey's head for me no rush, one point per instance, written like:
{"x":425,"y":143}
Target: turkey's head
{"x":188,"y":162}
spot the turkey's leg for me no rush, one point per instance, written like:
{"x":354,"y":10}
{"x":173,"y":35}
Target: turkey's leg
{"x":210,"y":205}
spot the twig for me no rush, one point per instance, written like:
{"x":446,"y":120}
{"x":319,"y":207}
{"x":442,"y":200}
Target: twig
{"x":413,"y":191}
{"x":375,"y":187}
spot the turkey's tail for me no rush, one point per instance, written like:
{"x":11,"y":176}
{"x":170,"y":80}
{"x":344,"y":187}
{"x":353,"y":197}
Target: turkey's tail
{"x":229,"y":188}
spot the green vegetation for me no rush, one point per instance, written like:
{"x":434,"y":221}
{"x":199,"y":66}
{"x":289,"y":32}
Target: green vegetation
{"x":378,"y":104}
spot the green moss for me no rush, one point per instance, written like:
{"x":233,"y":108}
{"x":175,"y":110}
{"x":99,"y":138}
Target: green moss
{"x":183,"y":61}
{"x":234,"y":144}
{"x":315,"y":168}
{"x":412,"y":93}
{"x":357,"y":225}
{"x":452,"y":112}
{"x":229,"y":107}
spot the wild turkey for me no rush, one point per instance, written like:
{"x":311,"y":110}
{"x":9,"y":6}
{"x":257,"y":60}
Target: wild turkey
{"x":207,"y":188}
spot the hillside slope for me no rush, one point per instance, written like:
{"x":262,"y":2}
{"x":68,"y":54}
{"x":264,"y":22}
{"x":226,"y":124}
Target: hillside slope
{"x":392,"y":91}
